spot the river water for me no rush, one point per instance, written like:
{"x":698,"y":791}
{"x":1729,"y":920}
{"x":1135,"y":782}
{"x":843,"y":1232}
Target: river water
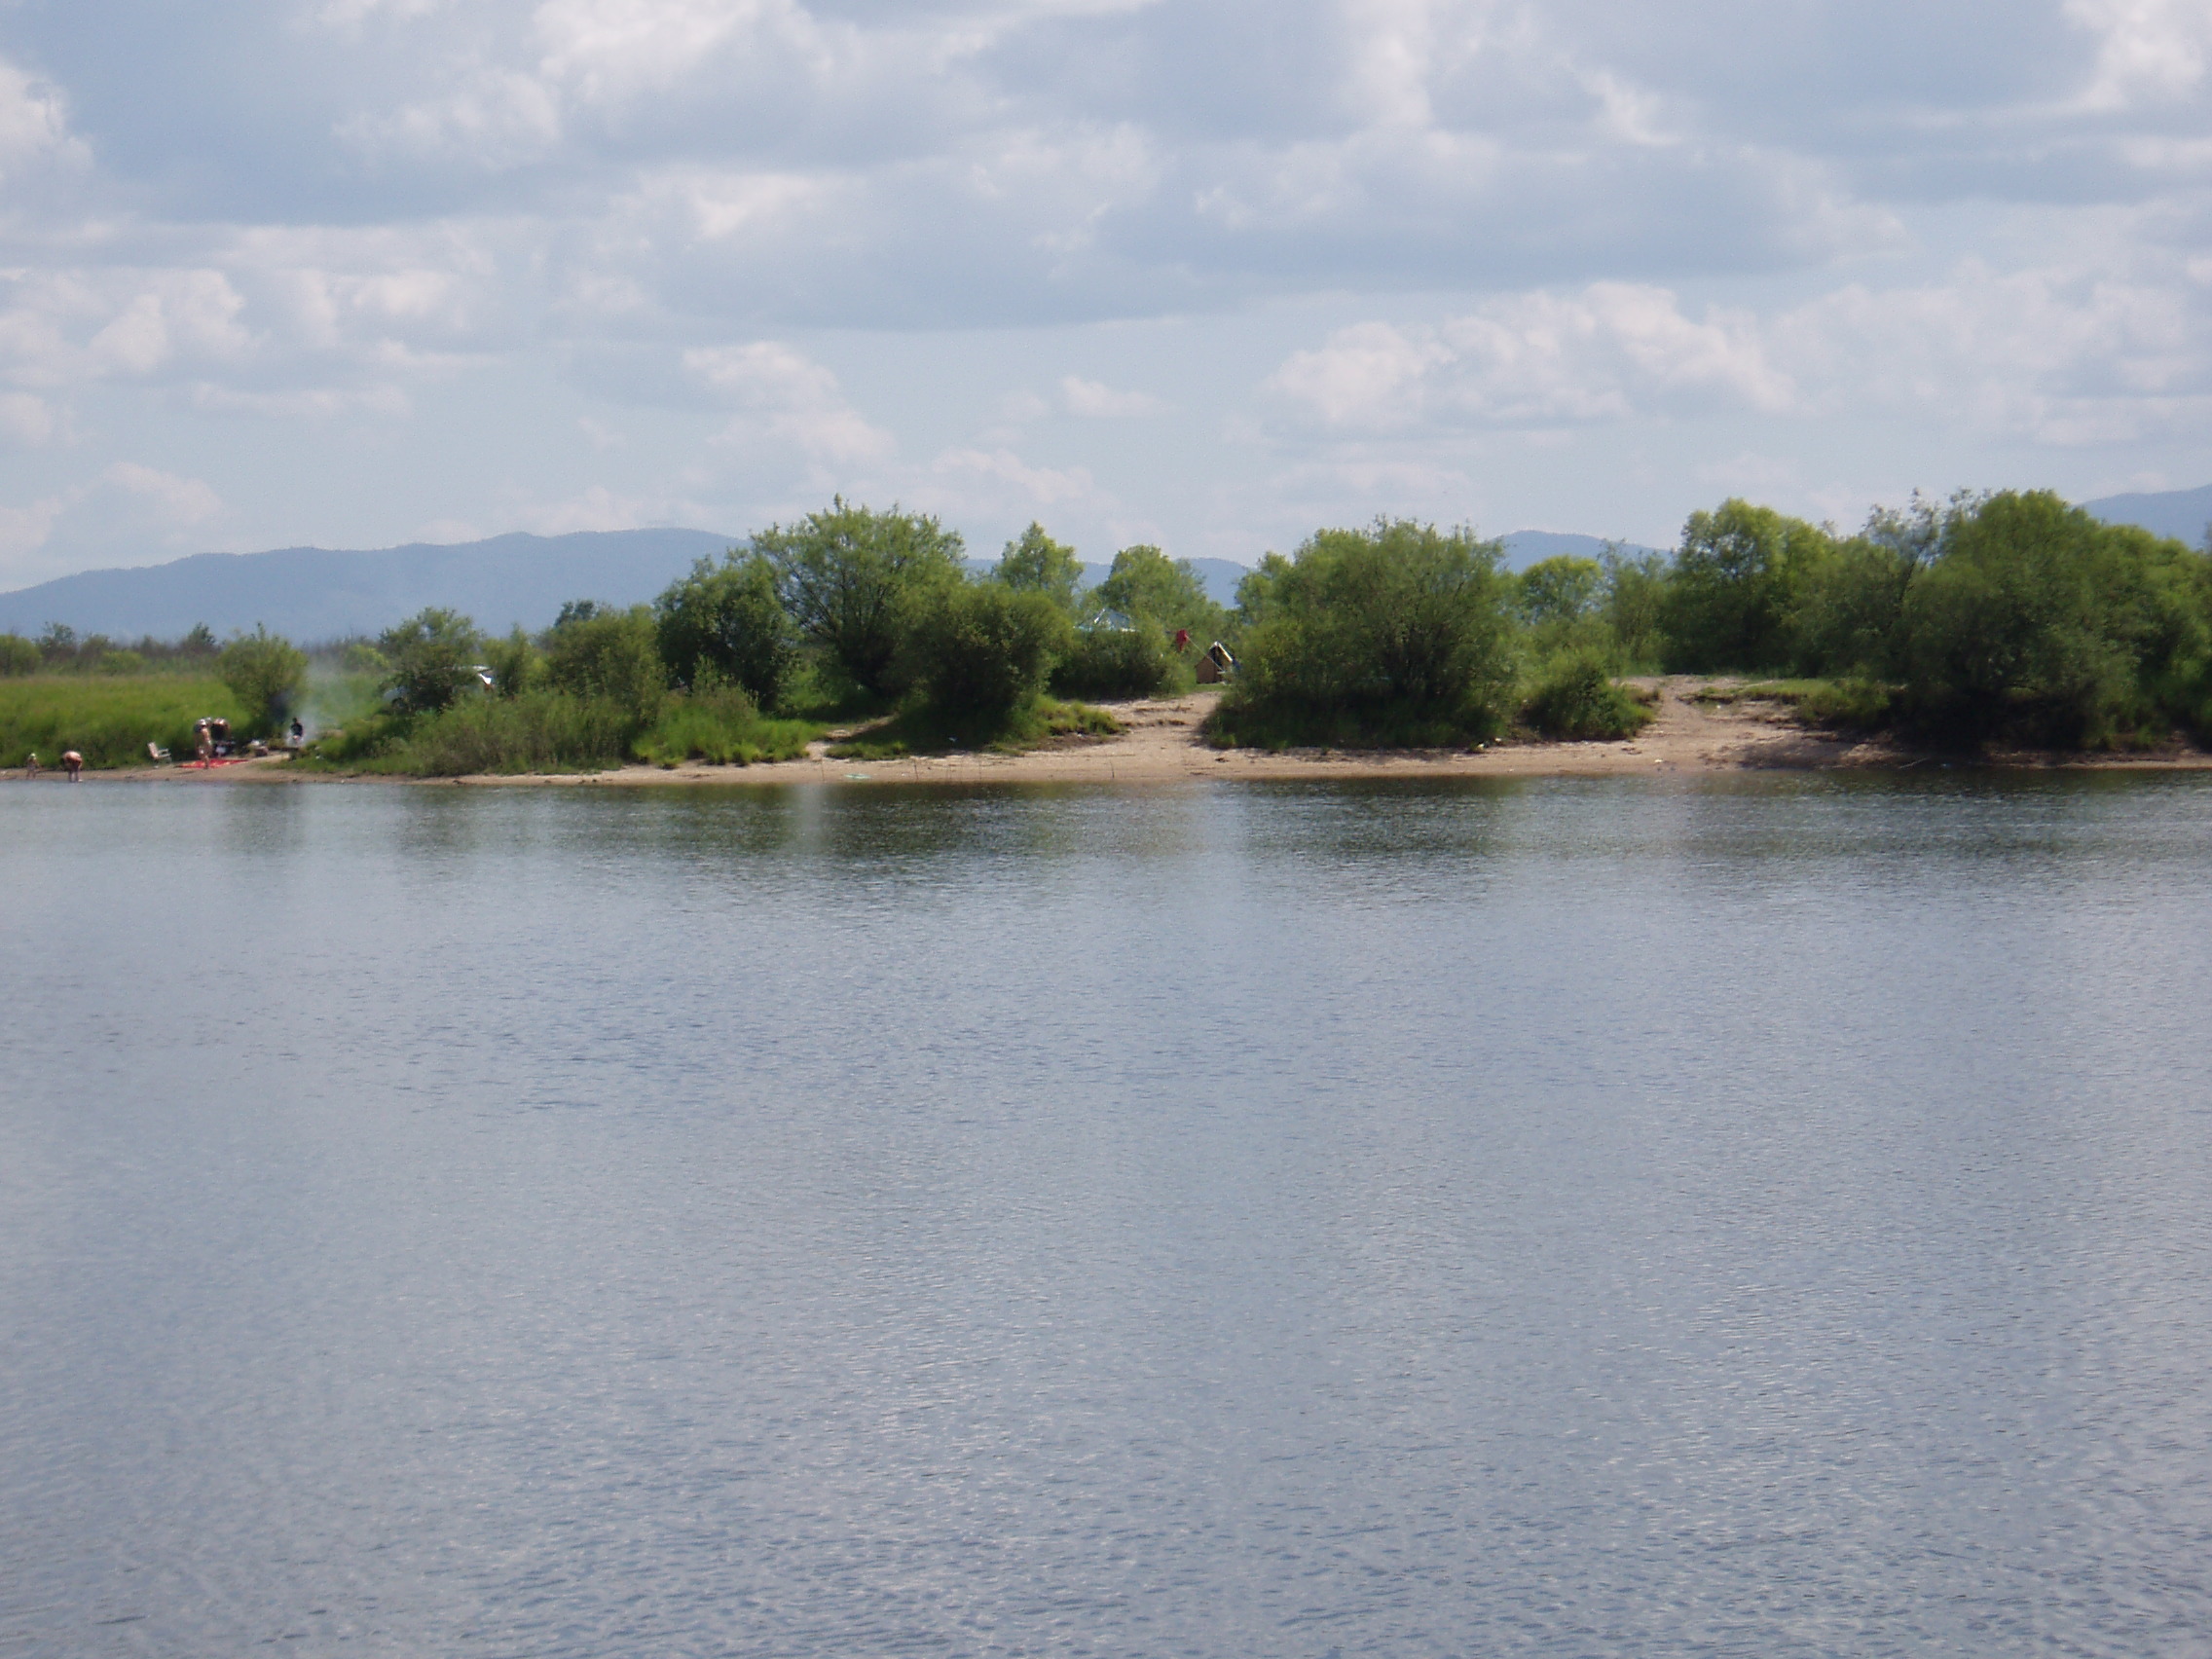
{"x":1765,"y":1215}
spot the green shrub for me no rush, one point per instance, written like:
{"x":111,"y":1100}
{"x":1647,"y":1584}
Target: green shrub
{"x":982,"y":649}
{"x":266,"y":672}
{"x":19,"y":657}
{"x":848,"y":575}
{"x":433,"y":657}
{"x":538,"y":731}
{"x":1634,"y":608}
{"x":610,"y":655}
{"x":1395,"y":634}
{"x":1115,"y":663}
{"x":1726,"y":603}
{"x":1850,"y":704}
{"x":732,"y":620}
{"x":2038,"y":624}
{"x":517,"y":666}
{"x":1579,"y":701}
{"x":724,"y":727}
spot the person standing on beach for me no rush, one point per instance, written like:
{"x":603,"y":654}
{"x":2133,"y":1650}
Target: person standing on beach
{"x":30,"y":766}
{"x":74,"y":761}
{"x":204,"y":743}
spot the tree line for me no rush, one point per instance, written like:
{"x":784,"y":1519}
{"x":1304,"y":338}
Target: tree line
{"x":2009,"y":616}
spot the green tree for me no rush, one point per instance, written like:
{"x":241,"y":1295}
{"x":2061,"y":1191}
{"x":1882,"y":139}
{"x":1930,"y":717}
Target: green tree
{"x":730,"y":618}
{"x":1145,"y":585}
{"x":1635,"y":605}
{"x":1034,"y":563}
{"x":610,"y":654}
{"x":1560,"y":590}
{"x":266,"y":672}
{"x":846,"y":575}
{"x":1400,"y":633}
{"x":433,"y":657}
{"x":515,"y":663}
{"x":19,"y":655}
{"x":1728,"y":596}
{"x":2036,"y":621}
{"x":1255,"y":589}
{"x":983,"y":648}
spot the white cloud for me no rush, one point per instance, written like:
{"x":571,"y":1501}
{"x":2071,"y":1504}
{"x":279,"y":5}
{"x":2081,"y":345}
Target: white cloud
{"x":787,"y":397}
{"x":595,"y":508}
{"x":980,"y":480}
{"x":2060,"y":355}
{"x":24,"y":420}
{"x":34,"y":124}
{"x":1097,"y":400}
{"x":2150,"y":51}
{"x":1603,"y":354}
{"x":174,"y":503}
{"x":25,"y":529}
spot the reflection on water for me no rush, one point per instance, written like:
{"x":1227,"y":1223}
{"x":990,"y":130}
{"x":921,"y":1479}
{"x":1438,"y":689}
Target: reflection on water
{"x":1759,"y":1215}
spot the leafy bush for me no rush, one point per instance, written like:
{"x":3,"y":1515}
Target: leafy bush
{"x":1634,"y":608}
{"x":265,"y":672}
{"x":19,"y":657}
{"x":1844,"y":606}
{"x":538,"y":731}
{"x":1399,"y":633}
{"x":433,"y":657}
{"x":517,"y":666}
{"x":847,"y":576}
{"x":610,"y":655}
{"x":1113,"y":663}
{"x":730,"y":618}
{"x":1727,"y":598}
{"x":1851,"y":704}
{"x":982,"y":649}
{"x":721,"y":727}
{"x":1577,"y":699}
{"x":2037,"y":624}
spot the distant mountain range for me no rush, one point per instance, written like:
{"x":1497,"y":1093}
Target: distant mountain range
{"x":316,"y":594}
{"x":2183,"y":514}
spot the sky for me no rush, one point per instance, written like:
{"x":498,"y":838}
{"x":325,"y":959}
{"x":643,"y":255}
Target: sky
{"x":354,"y":272}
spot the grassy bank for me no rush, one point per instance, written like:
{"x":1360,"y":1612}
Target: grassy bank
{"x":557,"y":731}
{"x":107,"y":720}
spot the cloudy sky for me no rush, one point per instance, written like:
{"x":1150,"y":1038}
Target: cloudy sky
{"x":1208,"y":272}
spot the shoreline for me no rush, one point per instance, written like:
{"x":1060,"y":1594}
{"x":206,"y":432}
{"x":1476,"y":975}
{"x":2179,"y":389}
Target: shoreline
{"x":1160,"y":744}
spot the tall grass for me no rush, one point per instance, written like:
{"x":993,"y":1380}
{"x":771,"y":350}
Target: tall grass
{"x":559,"y":731}
{"x":545,"y":731}
{"x":108,"y":721}
{"x":724,"y":728}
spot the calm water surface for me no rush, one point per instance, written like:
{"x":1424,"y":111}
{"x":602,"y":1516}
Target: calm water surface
{"x":1760,"y":1217}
